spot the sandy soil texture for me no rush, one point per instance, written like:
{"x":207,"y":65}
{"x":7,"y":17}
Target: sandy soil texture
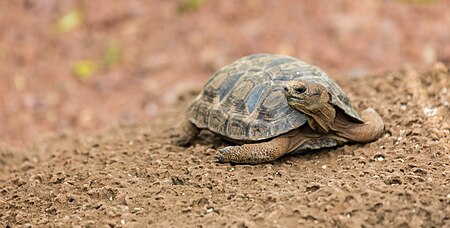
{"x":131,"y":176}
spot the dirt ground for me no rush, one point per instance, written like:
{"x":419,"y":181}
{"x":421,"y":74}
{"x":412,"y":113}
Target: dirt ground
{"x":94,"y":150}
{"x":133,"y":176}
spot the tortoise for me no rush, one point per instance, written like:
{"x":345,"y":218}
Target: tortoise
{"x":272,"y":105}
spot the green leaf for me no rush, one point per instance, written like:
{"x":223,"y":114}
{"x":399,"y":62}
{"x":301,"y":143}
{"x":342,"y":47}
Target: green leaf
{"x":70,"y":20}
{"x":112,"y":55}
{"x":190,"y":5}
{"x":84,"y":69}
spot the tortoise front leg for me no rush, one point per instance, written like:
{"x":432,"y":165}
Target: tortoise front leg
{"x":184,"y":133}
{"x":255,"y":153}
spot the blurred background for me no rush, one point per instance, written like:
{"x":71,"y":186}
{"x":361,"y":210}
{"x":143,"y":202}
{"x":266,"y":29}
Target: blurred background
{"x":83,"y":64}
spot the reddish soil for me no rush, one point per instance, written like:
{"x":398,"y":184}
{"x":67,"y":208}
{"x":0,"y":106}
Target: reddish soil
{"x":132,"y":175}
{"x":55,"y":171}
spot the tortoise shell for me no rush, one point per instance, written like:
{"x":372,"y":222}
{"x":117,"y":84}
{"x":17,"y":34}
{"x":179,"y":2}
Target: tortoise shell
{"x":245,"y":100}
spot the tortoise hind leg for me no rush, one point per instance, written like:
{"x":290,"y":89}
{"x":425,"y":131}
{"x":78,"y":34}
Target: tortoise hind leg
{"x":370,"y":130}
{"x":184,"y":133}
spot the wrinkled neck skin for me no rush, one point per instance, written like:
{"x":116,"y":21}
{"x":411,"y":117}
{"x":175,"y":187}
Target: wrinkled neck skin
{"x":320,"y":115}
{"x":314,"y":100}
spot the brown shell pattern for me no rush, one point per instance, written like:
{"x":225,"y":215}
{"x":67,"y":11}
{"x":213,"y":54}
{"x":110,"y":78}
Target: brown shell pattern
{"x":245,"y":100}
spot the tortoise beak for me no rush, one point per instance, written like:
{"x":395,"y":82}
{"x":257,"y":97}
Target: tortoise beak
{"x":288,"y":94}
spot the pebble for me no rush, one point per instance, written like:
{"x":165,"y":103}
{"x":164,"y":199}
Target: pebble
{"x":428,"y":111}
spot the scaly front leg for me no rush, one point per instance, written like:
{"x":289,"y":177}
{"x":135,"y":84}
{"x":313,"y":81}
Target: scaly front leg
{"x":255,"y":153}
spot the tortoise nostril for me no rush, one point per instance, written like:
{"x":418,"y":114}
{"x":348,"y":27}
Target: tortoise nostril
{"x":286,"y":89}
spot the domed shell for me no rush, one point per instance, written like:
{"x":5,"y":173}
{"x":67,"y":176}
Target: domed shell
{"x":245,"y":100}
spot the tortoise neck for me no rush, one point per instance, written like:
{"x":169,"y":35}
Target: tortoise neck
{"x":322,"y":118}
{"x":320,"y":113}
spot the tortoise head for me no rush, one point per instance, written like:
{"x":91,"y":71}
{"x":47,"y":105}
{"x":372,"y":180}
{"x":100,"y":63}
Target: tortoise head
{"x":306,"y":97}
{"x":314,"y":100}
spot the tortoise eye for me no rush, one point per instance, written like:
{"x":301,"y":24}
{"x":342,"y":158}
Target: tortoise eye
{"x":300,"y":90}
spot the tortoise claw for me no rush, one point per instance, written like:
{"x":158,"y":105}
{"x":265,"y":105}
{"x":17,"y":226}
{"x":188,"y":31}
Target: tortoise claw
{"x":219,"y":158}
{"x":225,"y":150}
{"x":222,"y":156}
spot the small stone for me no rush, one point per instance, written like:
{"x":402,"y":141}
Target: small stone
{"x":428,"y":111}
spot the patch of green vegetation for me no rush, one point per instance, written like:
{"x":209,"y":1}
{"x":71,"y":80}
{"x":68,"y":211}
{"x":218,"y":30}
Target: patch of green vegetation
{"x":84,"y":69}
{"x":112,"y":54}
{"x":70,"y":20}
{"x":190,"y":5}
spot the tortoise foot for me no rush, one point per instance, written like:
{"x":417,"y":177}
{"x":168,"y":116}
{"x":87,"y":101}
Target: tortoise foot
{"x":180,"y":139}
{"x":184,"y":133}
